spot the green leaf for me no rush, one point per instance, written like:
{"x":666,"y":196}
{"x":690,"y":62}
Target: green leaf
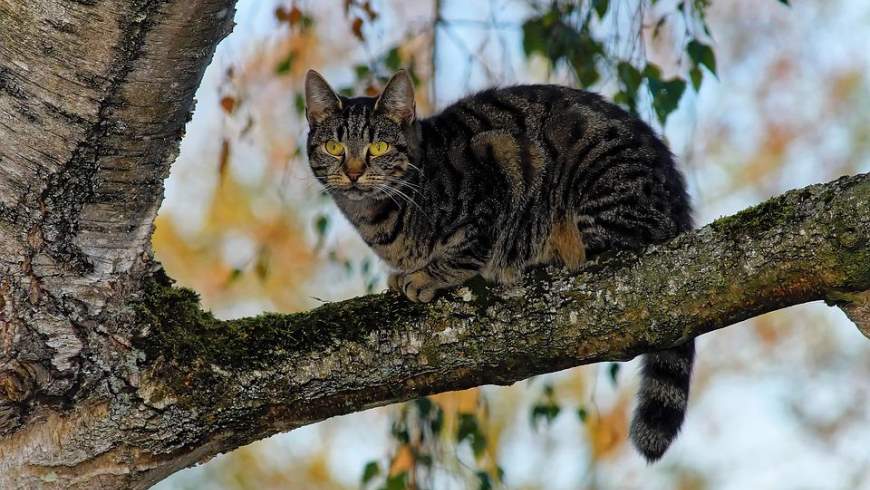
{"x":652,"y":71}
{"x":432,"y":413}
{"x":534,"y":37}
{"x":697,"y":77}
{"x":400,"y":432}
{"x":583,"y":53}
{"x":546,"y":411}
{"x":437,"y":423}
{"x":321,"y":224}
{"x":614,"y":372}
{"x":397,"y":482}
{"x":629,"y":76}
{"x":285,"y":65}
{"x":299,"y":102}
{"x":559,"y":41}
{"x":361,"y":71}
{"x":424,"y":459}
{"x":625,"y":100}
{"x":235,"y":275}
{"x":467,"y":427}
{"x":600,"y":7}
{"x":392,"y":60}
{"x":548,"y":391}
{"x":414,"y":77}
{"x":702,"y":54}
{"x":424,"y":406}
{"x":666,"y":97}
{"x":470,"y":430}
{"x":485,"y":482}
{"x":371,"y":470}
{"x":307,"y":21}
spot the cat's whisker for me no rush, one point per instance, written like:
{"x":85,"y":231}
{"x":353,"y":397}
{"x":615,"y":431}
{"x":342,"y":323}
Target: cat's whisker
{"x":404,"y":183}
{"x":409,"y":200}
{"x":401,"y":181}
{"x":391,"y":191}
{"x":415,"y":167}
{"x":386,"y":190}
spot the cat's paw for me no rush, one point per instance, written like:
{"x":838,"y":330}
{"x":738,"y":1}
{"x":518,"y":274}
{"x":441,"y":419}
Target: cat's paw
{"x":394,"y":281}
{"x":418,"y":286}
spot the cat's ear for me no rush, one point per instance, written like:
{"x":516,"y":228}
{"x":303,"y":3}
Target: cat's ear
{"x":397,"y":100}
{"x":320,"y":99}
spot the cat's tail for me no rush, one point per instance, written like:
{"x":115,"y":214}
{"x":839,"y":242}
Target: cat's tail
{"x":662,"y":399}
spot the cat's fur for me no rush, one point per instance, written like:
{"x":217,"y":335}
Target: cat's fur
{"x":500,"y":181}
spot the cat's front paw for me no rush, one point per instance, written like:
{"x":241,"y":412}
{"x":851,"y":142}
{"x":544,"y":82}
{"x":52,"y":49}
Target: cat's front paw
{"x":418,"y":286}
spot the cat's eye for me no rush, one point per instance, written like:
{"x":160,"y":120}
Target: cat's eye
{"x":378,"y":148}
{"x":334,"y":148}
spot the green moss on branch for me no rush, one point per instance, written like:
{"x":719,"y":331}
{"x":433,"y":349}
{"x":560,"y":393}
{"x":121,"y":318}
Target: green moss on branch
{"x":179,"y":330}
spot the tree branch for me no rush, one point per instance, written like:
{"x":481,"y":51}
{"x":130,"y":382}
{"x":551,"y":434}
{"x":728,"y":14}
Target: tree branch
{"x":236,"y":381}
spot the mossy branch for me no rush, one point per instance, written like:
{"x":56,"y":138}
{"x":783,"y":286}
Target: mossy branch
{"x":257,"y":376}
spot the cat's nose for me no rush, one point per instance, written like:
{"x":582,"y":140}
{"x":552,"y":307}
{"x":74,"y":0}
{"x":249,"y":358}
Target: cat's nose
{"x":354,"y":174}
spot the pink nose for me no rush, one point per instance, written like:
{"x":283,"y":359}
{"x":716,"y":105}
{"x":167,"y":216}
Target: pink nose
{"x":353,"y":174}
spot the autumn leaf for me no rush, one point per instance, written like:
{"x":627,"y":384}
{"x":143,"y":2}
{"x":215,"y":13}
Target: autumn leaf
{"x":356,"y":28}
{"x":228,"y":104}
{"x":367,"y":7}
{"x":224,"y":159}
{"x":282,"y":14}
{"x":295,"y":16}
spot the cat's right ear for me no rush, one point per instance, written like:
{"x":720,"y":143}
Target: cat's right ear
{"x":320,"y":99}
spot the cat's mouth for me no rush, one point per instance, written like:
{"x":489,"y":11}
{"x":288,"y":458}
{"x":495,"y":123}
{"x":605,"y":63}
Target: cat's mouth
{"x":361,"y":189}
{"x":357,"y":191}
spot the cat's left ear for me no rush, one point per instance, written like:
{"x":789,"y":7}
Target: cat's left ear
{"x":397,"y":100}
{"x":320,"y":99}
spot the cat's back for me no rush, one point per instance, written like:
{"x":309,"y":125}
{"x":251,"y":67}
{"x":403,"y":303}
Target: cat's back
{"x":530,"y":109}
{"x":569,"y":141}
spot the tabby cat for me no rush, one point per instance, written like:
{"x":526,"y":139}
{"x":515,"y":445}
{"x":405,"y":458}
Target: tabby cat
{"x":500,"y":181}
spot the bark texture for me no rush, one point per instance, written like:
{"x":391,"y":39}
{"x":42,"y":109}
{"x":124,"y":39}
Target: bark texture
{"x":94,"y":96}
{"x":112,"y":378}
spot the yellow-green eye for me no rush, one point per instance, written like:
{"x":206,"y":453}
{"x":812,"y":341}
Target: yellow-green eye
{"x":378,"y":148}
{"x":334,"y":148}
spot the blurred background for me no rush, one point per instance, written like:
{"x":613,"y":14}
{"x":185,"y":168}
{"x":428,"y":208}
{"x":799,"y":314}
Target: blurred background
{"x":755,"y":97}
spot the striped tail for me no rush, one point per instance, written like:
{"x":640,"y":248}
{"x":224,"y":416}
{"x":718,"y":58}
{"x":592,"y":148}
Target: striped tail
{"x":664,"y":392}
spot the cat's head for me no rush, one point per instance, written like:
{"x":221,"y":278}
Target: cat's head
{"x":360,"y":147}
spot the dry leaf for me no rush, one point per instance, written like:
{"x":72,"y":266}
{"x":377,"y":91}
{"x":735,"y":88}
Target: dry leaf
{"x":224,"y":159}
{"x":228,"y":104}
{"x":356,"y":27}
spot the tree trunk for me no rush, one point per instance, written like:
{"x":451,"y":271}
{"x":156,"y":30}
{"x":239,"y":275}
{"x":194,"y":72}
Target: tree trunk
{"x":110,"y":377}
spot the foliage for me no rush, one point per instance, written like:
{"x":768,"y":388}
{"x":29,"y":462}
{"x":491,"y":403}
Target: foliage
{"x":568,"y":33}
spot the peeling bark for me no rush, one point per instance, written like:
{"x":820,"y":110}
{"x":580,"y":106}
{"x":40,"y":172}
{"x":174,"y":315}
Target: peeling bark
{"x":94,"y":96}
{"x":110,"y":377}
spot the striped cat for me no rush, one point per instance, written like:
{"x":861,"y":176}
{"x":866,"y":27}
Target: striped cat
{"x":500,"y":181}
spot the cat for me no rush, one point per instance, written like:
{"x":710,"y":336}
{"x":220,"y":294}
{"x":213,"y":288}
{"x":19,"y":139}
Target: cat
{"x":498,"y":182}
